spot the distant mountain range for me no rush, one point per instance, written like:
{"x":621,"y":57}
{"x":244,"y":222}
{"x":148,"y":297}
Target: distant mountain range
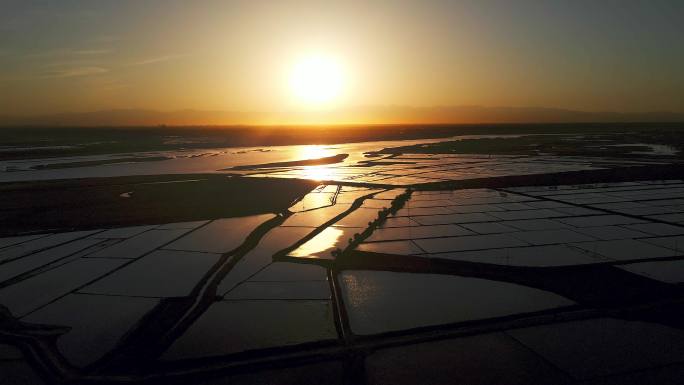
{"x":355,"y":115}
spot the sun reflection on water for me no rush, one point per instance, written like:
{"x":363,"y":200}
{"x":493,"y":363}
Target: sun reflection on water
{"x":314,"y":151}
{"x":321,"y":245}
{"x":318,"y":172}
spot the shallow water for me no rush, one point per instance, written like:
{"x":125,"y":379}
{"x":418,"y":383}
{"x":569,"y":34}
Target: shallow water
{"x":193,"y":161}
{"x":201,"y":160}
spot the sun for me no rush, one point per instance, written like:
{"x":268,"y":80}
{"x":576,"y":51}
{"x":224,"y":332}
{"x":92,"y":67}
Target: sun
{"x":317,"y":80}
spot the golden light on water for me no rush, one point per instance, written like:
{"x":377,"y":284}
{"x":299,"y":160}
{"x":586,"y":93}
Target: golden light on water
{"x":326,"y":241}
{"x":319,"y":173}
{"x":314,"y":152}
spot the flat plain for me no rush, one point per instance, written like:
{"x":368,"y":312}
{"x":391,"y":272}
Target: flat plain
{"x":514,"y":258}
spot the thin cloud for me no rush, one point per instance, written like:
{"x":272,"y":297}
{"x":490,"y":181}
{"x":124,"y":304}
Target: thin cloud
{"x":69,"y":52}
{"x":157,"y":59}
{"x":76,"y":72}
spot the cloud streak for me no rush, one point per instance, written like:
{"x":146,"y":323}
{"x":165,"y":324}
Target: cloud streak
{"x":157,"y":59}
{"x":70,"y":52}
{"x":75,"y":72}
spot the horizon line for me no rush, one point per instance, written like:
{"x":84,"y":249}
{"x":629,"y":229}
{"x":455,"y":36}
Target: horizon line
{"x":328,"y":125}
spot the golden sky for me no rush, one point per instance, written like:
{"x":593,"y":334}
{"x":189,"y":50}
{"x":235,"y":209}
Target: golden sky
{"x":73,"y":56}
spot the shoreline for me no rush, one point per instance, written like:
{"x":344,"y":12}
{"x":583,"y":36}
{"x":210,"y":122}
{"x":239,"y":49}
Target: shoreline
{"x":81,"y":141}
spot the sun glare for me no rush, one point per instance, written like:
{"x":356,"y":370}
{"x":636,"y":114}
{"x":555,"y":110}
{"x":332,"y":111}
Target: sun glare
{"x":317,"y":80}
{"x":314,"y":151}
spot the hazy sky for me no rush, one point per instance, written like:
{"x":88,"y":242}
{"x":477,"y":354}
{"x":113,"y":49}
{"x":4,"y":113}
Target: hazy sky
{"x":69,"y":55}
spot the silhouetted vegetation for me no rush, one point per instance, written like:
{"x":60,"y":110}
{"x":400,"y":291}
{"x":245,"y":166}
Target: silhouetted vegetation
{"x":397,"y":203}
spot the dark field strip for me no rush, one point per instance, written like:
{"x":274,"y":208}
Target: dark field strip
{"x":65,"y":205}
{"x":612,"y":175}
{"x":90,"y":163}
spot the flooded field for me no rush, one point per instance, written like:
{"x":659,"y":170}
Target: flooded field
{"x":361,"y":267}
{"x":345,"y":264}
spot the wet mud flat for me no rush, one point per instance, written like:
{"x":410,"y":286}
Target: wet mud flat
{"x":307,"y":162}
{"x":137,"y":200}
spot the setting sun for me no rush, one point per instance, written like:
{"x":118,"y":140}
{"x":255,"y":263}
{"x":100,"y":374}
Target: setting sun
{"x":317,"y":80}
